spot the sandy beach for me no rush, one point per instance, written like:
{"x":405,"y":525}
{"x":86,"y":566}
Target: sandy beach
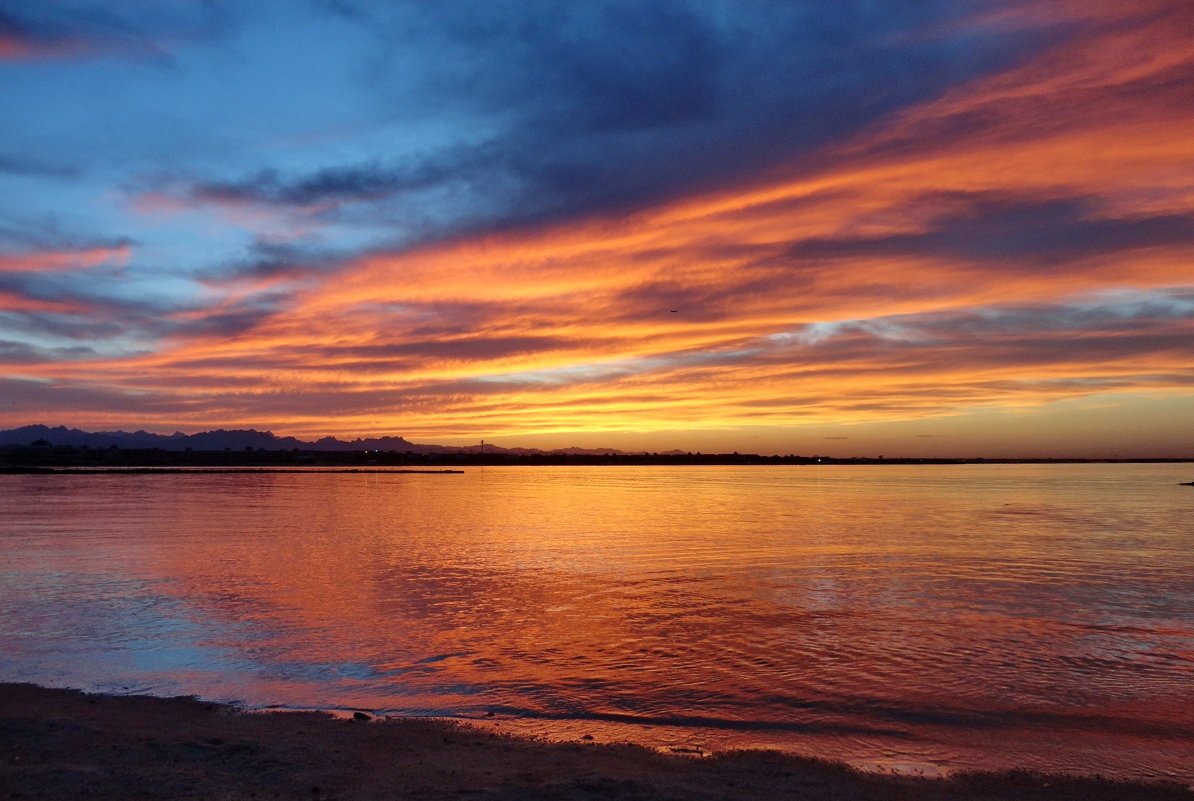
{"x":64,"y":744}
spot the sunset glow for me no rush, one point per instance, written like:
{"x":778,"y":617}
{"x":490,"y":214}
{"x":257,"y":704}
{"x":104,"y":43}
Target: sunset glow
{"x":968,"y":233}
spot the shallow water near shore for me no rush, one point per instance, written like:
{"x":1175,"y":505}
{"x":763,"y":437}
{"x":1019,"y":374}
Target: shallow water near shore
{"x":922,"y":619}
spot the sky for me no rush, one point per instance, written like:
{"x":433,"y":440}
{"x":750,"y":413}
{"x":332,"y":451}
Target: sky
{"x":957,"y":228}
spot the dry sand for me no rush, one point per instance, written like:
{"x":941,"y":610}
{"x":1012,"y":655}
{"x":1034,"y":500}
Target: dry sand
{"x":65,"y":744}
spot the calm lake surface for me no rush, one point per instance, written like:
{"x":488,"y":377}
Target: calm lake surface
{"x":909,"y":618}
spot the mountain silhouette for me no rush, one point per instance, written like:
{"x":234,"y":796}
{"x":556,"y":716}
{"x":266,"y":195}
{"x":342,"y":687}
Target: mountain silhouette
{"x":241,"y":439}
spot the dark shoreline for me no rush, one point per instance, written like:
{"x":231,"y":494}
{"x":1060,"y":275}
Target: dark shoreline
{"x":33,"y":459}
{"x":142,"y":471}
{"x":60,"y":744}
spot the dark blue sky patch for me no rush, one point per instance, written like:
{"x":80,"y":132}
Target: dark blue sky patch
{"x":1012,"y":232}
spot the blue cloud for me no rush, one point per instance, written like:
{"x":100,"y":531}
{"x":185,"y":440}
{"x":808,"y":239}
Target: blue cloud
{"x":87,"y":28}
{"x":483,"y":117}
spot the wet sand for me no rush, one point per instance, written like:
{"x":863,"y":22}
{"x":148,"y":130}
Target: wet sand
{"x":60,"y":744}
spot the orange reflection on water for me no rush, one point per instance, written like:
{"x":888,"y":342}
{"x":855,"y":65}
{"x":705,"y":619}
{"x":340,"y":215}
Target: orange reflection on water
{"x":947,"y":617}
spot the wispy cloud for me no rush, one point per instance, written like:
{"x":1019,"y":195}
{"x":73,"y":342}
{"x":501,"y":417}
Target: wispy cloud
{"x":66,"y":259}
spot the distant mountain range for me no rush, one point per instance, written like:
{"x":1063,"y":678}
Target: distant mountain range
{"x":241,"y":439}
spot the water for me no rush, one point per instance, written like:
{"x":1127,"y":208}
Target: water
{"x":908,"y":618}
